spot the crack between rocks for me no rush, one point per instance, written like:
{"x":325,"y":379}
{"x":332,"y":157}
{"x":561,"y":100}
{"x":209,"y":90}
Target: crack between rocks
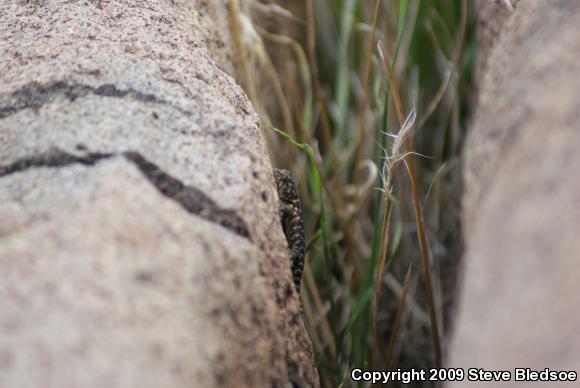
{"x":34,"y":95}
{"x":193,"y":200}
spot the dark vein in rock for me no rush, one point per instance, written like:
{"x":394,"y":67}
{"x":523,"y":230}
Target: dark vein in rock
{"x":191,"y":199}
{"x":34,"y":95}
{"x":51,"y":158}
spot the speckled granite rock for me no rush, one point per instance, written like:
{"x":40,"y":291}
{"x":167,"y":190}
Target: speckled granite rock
{"x":519,"y":303}
{"x":140,"y":243}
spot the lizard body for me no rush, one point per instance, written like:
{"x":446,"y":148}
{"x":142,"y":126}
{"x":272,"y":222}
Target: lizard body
{"x":292,"y":224}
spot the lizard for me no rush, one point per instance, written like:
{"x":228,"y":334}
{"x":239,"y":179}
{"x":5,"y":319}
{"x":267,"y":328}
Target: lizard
{"x":292,"y":223}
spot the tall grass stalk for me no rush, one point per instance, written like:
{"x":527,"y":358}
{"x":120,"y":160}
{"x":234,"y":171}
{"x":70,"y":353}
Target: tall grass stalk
{"x":418,"y":212}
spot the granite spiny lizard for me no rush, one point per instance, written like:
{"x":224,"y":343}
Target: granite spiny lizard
{"x":291,"y":217}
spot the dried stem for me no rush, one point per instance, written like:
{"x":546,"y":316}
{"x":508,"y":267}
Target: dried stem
{"x":395,"y":330}
{"x":418,"y":212}
{"x":362,"y":113}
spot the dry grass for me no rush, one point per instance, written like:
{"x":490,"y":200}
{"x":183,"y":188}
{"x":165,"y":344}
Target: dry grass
{"x":375,"y":126}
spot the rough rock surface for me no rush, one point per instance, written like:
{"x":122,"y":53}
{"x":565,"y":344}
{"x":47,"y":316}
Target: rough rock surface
{"x":140,"y":242}
{"x":519,"y":304}
{"x":491,"y":18}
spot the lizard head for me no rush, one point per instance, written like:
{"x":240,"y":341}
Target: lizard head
{"x":285,"y":184}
